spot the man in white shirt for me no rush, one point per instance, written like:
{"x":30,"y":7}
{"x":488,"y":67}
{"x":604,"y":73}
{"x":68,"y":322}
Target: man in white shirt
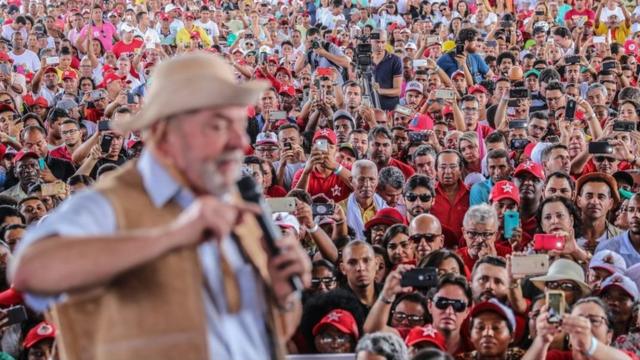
{"x":148,"y":34}
{"x":23,"y":56}
{"x":207,"y":24}
{"x":19,"y":24}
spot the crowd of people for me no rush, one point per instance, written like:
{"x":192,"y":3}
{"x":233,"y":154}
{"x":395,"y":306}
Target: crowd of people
{"x":464,"y":175}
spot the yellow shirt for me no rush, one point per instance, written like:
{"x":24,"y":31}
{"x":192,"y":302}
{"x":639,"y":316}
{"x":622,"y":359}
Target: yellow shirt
{"x":183,"y":37}
{"x":619,"y":35}
{"x":366,"y":214}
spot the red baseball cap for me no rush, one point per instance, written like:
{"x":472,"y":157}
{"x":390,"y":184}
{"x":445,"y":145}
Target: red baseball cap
{"x":288,"y":90}
{"x":40,"y":332}
{"x":189,"y":15}
{"x":5,"y":57}
{"x":498,"y":308}
{"x":325,"y":134}
{"x":10,"y":297}
{"x":478,"y":88}
{"x":51,"y":69}
{"x":283,"y":69}
{"x":387,"y":216}
{"x":339,"y":319}
{"x":504,"y":190}
{"x":69,"y":75}
{"x":532,"y":168}
{"x":21,"y":155}
{"x":109,"y":78}
{"x":7,"y":107}
{"x":427,"y":333}
{"x":457,"y":73}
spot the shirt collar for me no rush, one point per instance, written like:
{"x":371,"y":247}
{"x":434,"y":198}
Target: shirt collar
{"x":156,"y":180}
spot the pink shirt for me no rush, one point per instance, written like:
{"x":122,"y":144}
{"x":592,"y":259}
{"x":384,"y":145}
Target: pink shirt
{"x":104,"y":33}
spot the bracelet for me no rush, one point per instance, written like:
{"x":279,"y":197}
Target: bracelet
{"x":313,"y":229}
{"x":385,"y":300}
{"x":593,"y":347}
{"x":338,"y":169}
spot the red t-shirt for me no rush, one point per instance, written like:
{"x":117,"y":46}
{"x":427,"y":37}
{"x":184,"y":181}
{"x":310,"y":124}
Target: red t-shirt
{"x":61,"y":152}
{"x":421,"y":122}
{"x":93,"y":114}
{"x":121,"y":48}
{"x":407,"y":170}
{"x":451,"y":214}
{"x":567,"y":355}
{"x":331,"y":186}
{"x":276,"y":191}
{"x":469,"y":261}
{"x":574,"y":15}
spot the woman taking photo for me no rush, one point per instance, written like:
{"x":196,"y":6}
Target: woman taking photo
{"x":558,"y":215}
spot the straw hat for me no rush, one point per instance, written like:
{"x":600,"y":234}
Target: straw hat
{"x":190,"y":82}
{"x":563,"y":269}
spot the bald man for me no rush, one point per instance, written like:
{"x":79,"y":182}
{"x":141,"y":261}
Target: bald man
{"x":426,"y":232}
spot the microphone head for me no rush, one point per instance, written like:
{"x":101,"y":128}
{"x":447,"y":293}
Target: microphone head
{"x":249,"y":189}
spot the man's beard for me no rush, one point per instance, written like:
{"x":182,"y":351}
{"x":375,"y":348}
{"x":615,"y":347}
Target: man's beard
{"x":215,"y":182}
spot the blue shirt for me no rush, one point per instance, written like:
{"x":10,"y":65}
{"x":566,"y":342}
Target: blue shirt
{"x":479,"y":193}
{"x":622,"y":245}
{"x":475,"y":62}
{"x":89,"y":213}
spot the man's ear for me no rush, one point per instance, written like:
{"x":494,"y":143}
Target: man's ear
{"x":342,"y":269}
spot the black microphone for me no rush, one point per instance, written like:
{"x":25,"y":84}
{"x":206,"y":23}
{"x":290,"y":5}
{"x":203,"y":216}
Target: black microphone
{"x":250,"y":193}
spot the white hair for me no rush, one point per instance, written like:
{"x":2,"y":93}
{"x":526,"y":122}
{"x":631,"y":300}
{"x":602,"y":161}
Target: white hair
{"x":480,"y":214}
{"x":362,"y":164}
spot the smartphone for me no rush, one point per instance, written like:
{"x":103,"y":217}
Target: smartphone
{"x":556,"y":303}
{"x":519,"y":93}
{"x":608,"y":65}
{"x":131,"y":98}
{"x":53,"y":60}
{"x":104,"y":125}
{"x":415,"y":136}
{"x":627,"y":126}
{"x":105,"y":143}
{"x":277,"y":115}
{"x":600,"y":147}
{"x":505,"y":24}
{"x":5,"y":69}
{"x":517,"y":124}
{"x":324,"y":71}
{"x":570,"y":110}
{"x":547,"y":242}
{"x":374,"y":36}
{"x":248,"y":36}
{"x":41,"y":164}
{"x":539,"y":13}
{"x":599,"y":40}
{"x":459,"y":49}
{"x":511,"y":222}
{"x":519,"y":144}
{"x":54,"y":188}
{"x":96,"y":94}
{"x":432,"y":40}
{"x":263,"y":57}
{"x":534,"y":264}
{"x":322,"y":145}
{"x":492,"y":43}
{"x":322,"y":209}
{"x":403,"y":110}
{"x":572,"y":60}
{"x":444,"y":94}
{"x":16,"y":315}
{"x":420,"y":278}
{"x":285,"y":204}
{"x":287,"y":146}
{"x":419,"y":63}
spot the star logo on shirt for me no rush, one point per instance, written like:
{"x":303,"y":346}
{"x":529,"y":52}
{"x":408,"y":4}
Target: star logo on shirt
{"x":507,"y":188}
{"x":336,"y":191}
{"x":428,"y":331}
{"x":528,"y":165}
{"x":334,"y":316}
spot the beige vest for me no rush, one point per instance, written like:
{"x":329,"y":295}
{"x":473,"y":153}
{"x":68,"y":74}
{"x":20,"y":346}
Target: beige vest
{"x":154,"y":311}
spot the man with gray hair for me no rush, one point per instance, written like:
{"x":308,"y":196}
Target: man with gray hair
{"x":480,"y":229}
{"x":363,"y":203}
{"x":390,"y":184}
{"x":379,"y":344}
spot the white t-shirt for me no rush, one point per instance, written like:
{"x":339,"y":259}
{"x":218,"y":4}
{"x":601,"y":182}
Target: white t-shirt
{"x":604,"y":15}
{"x":210,"y":27}
{"x":28,"y":59}
{"x":7,"y":32}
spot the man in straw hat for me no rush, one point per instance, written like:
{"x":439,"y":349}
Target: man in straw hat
{"x":161,"y":260}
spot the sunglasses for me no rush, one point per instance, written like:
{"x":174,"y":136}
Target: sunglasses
{"x":603,"y":159}
{"x":444,"y":303}
{"x":423,"y":197}
{"x":417,"y":238}
{"x":566,"y":286}
{"x":327,"y":281}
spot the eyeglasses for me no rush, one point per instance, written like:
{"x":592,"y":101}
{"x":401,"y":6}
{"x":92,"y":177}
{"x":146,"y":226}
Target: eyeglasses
{"x":417,"y":238}
{"x":423,"y":197}
{"x":478,"y":234}
{"x":338,"y":339}
{"x":413,"y":320}
{"x":595,"y":320}
{"x":69,"y":132}
{"x":603,"y":159}
{"x":444,"y":303}
{"x":566,"y":286}
{"x":326,"y":281}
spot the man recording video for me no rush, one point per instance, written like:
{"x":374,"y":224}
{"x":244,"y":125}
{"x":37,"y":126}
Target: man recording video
{"x":320,"y":53}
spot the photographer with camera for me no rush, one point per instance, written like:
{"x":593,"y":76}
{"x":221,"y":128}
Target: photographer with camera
{"x":387,"y":71}
{"x":320,"y":53}
{"x":465,"y":53}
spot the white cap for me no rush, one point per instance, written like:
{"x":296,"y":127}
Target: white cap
{"x":127,"y":28}
{"x":169,"y":7}
{"x":286,"y":221}
{"x":608,"y":260}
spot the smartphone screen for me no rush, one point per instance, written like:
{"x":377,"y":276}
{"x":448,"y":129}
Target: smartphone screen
{"x":570,"y":110}
{"x":511,"y":222}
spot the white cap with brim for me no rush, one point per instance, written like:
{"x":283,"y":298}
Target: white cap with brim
{"x":189,"y":82}
{"x":563,"y":269}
